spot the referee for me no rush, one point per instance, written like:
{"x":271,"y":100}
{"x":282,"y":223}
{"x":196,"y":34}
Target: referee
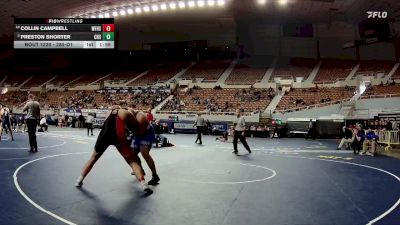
{"x":199,"y":124}
{"x":240,"y":128}
{"x":32,"y":108}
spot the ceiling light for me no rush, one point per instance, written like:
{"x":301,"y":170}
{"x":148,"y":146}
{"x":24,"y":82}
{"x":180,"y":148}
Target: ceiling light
{"x":191,"y":4}
{"x":146,"y":8}
{"x":282,"y":2}
{"x":101,"y":15}
{"x":138,"y":10}
{"x":200,"y":3}
{"x":172,"y":5}
{"x":154,"y":8}
{"x":122,"y":12}
{"x":211,"y":2}
{"x":262,"y":2}
{"x":163,"y":6}
{"x":182,"y":5}
{"x":221,"y":2}
{"x":92,"y":16}
{"x":106,"y":15}
{"x":130,"y":11}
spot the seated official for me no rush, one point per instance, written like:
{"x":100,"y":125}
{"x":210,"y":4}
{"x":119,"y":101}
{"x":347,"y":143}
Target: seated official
{"x":369,"y":145}
{"x":43,"y":124}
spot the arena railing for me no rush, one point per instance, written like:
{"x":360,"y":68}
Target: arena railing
{"x":323,"y":82}
{"x":388,"y":138}
{"x":196,"y":112}
{"x":212,"y":116}
{"x":380,"y":96}
{"x":313,"y":106}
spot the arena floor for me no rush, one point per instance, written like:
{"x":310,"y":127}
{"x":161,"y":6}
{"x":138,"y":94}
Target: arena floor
{"x":284,"y":181}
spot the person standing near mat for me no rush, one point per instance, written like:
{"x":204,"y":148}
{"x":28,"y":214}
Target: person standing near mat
{"x":32,"y":108}
{"x":150,"y":116}
{"x":239,"y":132}
{"x":89,"y":124}
{"x":114,"y":132}
{"x":6,"y":122}
{"x":199,"y":124}
{"x":311,"y":130}
{"x":14,"y":122}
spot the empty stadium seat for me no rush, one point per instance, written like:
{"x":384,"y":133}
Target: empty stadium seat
{"x":208,"y":70}
{"x":332,"y":70}
{"x":305,"y":97}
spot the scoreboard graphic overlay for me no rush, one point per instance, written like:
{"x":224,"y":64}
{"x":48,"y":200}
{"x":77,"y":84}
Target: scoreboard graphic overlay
{"x":69,"y":33}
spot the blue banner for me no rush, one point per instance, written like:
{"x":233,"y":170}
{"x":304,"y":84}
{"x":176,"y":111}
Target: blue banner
{"x":187,"y":126}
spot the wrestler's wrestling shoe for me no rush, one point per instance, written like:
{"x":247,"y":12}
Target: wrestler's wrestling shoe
{"x":78,"y":184}
{"x":146,"y":187}
{"x":154,"y":180}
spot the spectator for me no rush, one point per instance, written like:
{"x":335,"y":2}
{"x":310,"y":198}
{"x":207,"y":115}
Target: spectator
{"x":150,"y":116}
{"x":66,"y":119}
{"x":5,"y":122}
{"x":389,"y":125}
{"x":208,"y":128}
{"x":69,"y":121}
{"x":56,"y":119}
{"x":394,"y":125}
{"x":74,"y":120}
{"x":14,"y":122}
{"x":81,"y":120}
{"x":311,"y":130}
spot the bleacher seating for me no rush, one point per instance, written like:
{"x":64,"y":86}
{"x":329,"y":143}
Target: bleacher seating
{"x":305,"y":97}
{"x":63,"y":79}
{"x":14,"y":80}
{"x":14,"y":98}
{"x":332,"y":70}
{"x":123,"y":76}
{"x":249,"y":71}
{"x":86,"y":99}
{"x":86,"y":79}
{"x":244,"y":75}
{"x":38,"y":80}
{"x":294,"y":67}
{"x":220,"y":100}
{"x":396,"y":74}
{"x":372,"y":67}
{"x":64,"y":99}
{"x":386,"y":89}
{"x":162,"y":73}
{"x":208,"y":70}
{"x":140,"y":101}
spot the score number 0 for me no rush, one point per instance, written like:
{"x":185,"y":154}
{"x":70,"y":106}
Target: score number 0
{"x":108,"y":27}
{"x":108,"y":32}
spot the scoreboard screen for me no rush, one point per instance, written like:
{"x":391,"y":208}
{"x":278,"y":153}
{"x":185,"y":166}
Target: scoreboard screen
{"x":68,"y":33}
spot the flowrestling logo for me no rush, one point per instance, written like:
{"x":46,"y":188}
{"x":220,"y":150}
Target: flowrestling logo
{"x":377,"y":14}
